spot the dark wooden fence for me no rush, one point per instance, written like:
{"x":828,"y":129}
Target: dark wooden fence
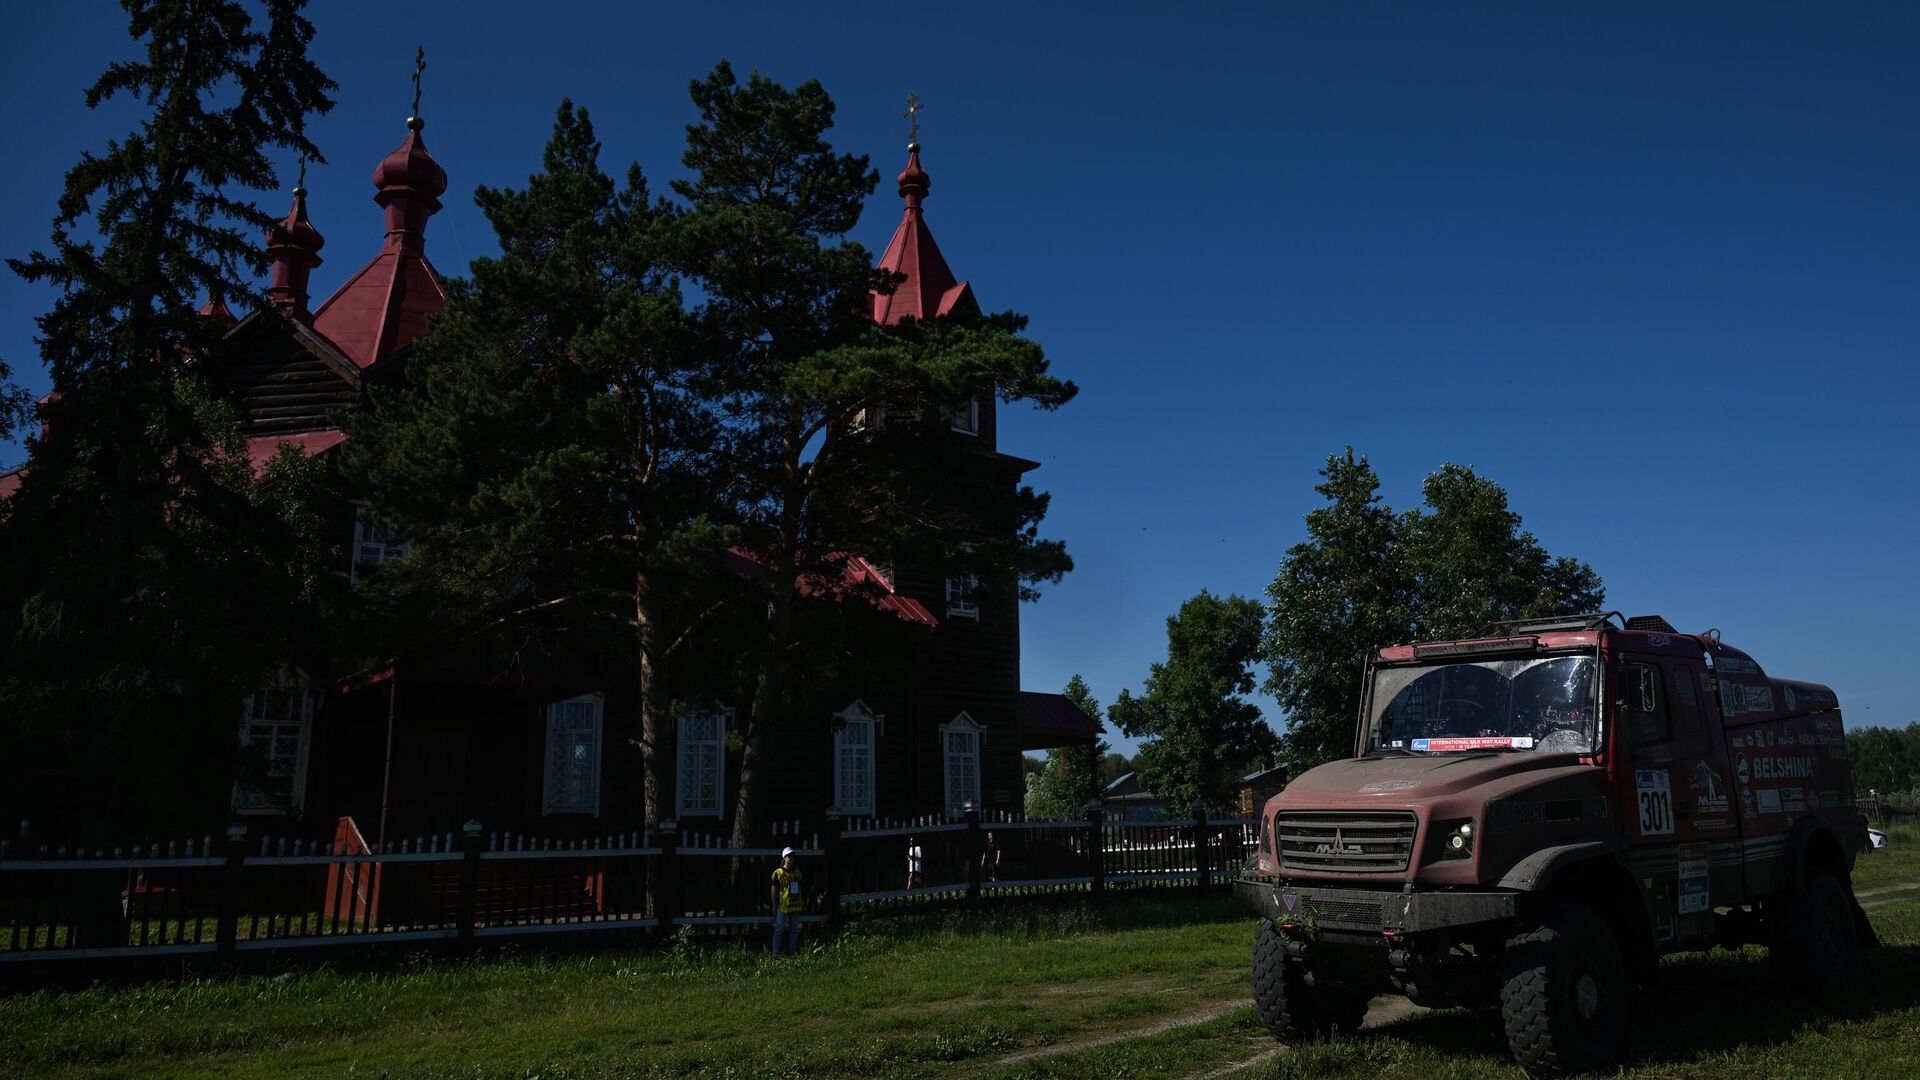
{"x":241,"y":895}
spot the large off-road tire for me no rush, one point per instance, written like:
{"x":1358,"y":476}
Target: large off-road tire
{"x":1292,"y":1011}
{"x":1563,"y":994}
{"x":1812,"y":936}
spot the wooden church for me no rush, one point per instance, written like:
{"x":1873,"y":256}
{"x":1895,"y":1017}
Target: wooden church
{"x":930,"y":719}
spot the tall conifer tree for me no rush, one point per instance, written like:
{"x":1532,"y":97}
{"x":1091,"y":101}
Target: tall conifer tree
{"x":770,"y":205}
{"x":148,"y":578}
{"x":548,"y":453}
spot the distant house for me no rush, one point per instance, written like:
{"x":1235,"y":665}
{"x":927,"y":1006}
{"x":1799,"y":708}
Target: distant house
{"x":1126,"y":800}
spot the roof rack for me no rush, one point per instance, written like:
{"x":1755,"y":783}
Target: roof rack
{"x":1552,"y":624}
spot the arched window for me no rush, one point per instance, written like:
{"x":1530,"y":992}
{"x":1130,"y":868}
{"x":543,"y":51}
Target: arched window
{"x":960,"y":753}
{"x":854,"y":732}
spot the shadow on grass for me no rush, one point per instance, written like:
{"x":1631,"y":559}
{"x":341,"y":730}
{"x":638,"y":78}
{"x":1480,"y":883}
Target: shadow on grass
{"x":1705,"y":1005}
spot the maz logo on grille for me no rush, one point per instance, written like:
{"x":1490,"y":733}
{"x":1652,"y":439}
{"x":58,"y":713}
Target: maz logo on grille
{"x":1339,"y":847}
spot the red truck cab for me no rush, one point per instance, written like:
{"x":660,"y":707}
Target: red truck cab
{"x":1532,"y":816}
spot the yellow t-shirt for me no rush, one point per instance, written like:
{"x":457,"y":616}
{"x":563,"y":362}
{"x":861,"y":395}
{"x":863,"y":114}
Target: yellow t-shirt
{"x":787,"y":884}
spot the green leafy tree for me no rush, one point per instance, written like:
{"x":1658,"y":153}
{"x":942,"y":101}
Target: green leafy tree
{"x":1886,"y":762}
{"x":1366,"y":577}
{"x":547,"y":452}
{"x":1199,"y":731}
{"x":149,"y":579}
{"x":770,"y":204}
{"x":1113,"y":766}
{"x":1069,"y":779}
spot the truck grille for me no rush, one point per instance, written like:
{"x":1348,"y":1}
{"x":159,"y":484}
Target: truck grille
{"x":1352,"y":842}
{"x":1350,"y":912}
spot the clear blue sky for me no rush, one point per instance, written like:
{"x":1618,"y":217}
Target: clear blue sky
{"x":1652,"y":267}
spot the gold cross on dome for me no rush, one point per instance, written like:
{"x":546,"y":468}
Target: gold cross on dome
{"x":419,"y":65}
{"x":914,"y":105}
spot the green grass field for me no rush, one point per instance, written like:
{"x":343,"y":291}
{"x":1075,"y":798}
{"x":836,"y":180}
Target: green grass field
{"x":1146,"y":986}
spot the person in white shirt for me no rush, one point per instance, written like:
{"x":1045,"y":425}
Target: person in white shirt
{"x":916,"y":863}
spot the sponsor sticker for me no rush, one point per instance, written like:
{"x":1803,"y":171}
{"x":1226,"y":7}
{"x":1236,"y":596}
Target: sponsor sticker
{"x":1656,"y":801}
{"x":1474,"y":742}
{"x":1389,"y":785}
{"x":1769,"y":800}
{"x":1694,"y":895}
{"x":1793,"y":800}
{"x":1659,"y":641}
{"x":1709,"y":790}
{"x":1737,"y":665}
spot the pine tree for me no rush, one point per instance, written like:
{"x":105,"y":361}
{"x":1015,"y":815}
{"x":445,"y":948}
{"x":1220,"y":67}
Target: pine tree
{"x":547,"y":453}
{"x":770,"y":204}
{"x":148,"y":578}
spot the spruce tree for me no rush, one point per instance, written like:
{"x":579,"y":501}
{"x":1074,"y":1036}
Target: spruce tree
{"x":149,"y":579}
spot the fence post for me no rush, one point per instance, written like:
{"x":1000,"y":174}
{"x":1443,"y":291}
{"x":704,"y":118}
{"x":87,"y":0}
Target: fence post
{"x":227,"y":920}
{"x":666,"y":900}
{"x":1200,"y":845}
{"x":469,"y":881}
{"x":830,"y":869}
{"x":972,"y":847}
{"x":1097,"y":847}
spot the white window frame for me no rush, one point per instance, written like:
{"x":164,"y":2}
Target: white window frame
{"x":363,"y":540}
{"x":964,"y":417}
{"x":305,"y":701}
{"x":717,"y":746}
{"x":962,"y":725}
{"x":555,"y":802}
{"x":856,"y":718}
{"x":960,"y":601}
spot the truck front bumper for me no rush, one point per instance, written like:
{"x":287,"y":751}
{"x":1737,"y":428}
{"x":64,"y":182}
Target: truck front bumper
{"x":1374,"y":910}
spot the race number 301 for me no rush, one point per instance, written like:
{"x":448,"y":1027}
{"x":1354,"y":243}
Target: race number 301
{"x":1656,"y":802}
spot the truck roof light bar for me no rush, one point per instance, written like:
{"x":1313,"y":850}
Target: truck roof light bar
{"x":1462,"y":648}
{"x":1554,"y":624}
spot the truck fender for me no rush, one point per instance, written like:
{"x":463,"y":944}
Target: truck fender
{"x":1536,"y":871}
{"x":1814,"y":845}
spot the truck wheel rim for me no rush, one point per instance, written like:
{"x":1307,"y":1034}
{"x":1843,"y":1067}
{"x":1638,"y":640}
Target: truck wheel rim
{"x":1586,"y":995}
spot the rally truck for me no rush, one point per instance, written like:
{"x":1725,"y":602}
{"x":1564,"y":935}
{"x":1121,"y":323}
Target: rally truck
{"x":1530,"y":818}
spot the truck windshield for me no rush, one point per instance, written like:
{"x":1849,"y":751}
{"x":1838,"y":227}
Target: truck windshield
{"x":1544,"y":703}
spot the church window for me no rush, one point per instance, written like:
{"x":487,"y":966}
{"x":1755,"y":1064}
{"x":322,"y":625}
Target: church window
{"x":853,"y":759}
{"x":276,"y":725}
{"x":573,"y":756}
{"x":374,"y":544}
{"x":703,"y":758}
{"x":961,"y":602}
{"x":964,"y":417}
{"x":960,"y":753}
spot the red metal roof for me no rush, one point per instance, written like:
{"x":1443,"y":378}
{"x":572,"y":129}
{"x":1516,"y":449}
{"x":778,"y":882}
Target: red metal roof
{"x":1049,"y":720}
{"x":262,"y":448}
{"x":384,"y":307}
{"x":930,"y":289}
{"x":859,"y":579}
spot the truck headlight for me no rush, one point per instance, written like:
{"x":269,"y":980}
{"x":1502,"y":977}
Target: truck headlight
{"x":1451,"y":840}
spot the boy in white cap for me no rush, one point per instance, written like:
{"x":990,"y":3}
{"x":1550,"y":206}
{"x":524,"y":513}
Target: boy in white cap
{"x":786,"y":903}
